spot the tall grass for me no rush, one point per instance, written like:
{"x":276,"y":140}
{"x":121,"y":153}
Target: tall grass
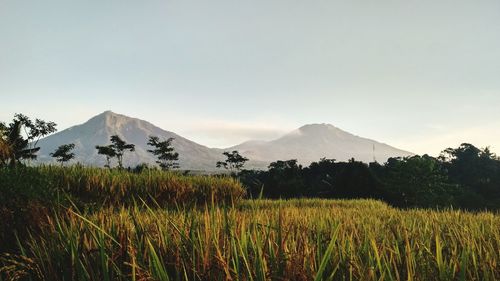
{"x":262,"y":240}
{"x":29,"y":194}
{"x":115,"y":187}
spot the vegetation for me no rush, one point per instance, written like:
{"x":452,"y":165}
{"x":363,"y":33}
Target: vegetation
{"x":20,"y":138}
{"x":163,"y":150}
{"x":234,"y":161}
{"x":117,"y":148}
{"x":29,"y":194}
{"x":465,"y":177}
{"x":86,"y":186}
{"x":108,"y":151}
{"x":84,"y":223}
{"x":261,"y":240}
{"x":63,"y":153}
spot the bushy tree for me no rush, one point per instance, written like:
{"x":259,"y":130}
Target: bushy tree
{"x":234,"y":161}
{"x":117,"y":148}
{"x":5,"y":149}
{"x":108,"y":151}
{"x":163,"y":150}
{"x":20,"y":138}
{"x":417,"y":181}
{"x":63,"y":153}
{"x":120,"y":147}
{"x":36,"y":129}
{"x":285,"y":180}
{"x":321,"y":178}
{"x":478,"y":171}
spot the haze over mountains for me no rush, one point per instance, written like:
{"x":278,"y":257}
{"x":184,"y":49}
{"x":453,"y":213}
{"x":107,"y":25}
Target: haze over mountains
{"x":306,"y":144}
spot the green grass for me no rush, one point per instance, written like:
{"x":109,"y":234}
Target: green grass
{"x":261,"y":240}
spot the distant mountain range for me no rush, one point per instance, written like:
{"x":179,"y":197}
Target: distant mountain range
{"x":307,"y":144}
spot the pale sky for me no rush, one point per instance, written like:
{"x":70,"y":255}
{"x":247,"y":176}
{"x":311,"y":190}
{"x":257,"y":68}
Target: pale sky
{"x":419,"y":75}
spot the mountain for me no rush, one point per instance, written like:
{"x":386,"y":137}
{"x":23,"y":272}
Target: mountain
{"x":98,"y":130}
{"x":306,"y":144}
{"x":311,"y":142}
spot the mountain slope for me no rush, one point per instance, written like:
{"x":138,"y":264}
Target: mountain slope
{"x":98,"y":130}
{"x":311,"y":142}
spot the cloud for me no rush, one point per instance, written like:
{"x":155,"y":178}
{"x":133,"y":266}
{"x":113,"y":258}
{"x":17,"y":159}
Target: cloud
{"x":219,"y":133}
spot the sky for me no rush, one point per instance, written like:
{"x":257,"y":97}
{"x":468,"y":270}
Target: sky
{"x":419,"y":75}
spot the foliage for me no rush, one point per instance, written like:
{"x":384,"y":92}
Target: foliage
{"x":5,"y":148}
{"x":285,"y":177}
{"x":120,"y":148}
{"x":116,"y":149}
{"x":163,"y":150}
{"x":234,"y":161}
{"x":466,"y":177}
{"x":18,"y":140}
{"x":34,"y":129}
{"x":63,"y":153}
{"x":478,"y":170}
{"x":417,"y":181}
{"x":107,"y":151}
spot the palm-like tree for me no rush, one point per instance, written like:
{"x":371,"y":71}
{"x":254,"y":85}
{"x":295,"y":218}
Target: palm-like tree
{"x":5,"y":151}
{"x":14,"y":146}
{"x":19,"y":146}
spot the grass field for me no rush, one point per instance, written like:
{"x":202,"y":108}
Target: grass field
{"x":86,"y":186}
{"x":260,"y":240}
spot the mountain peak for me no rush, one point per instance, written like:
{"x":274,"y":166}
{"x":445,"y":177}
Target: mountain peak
{"x":317,"y":129}
{"x":317,"y":126}
{"x":108,"y":112}
{"x":110,"y":118}
{"x":104,"y":115}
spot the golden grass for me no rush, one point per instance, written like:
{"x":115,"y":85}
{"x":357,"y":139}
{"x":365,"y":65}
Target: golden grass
{"x":263,"y":240}
{"x":117,"y":187}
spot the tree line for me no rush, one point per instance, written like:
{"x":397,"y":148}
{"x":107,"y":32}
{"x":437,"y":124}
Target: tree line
{"x":464,"y":177}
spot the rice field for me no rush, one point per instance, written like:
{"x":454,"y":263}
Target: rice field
{"x":306,"y":239}
{"x":86,"y":186}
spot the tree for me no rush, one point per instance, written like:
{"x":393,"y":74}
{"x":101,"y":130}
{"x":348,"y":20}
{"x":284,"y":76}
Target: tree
{"x":285,"y":179}
{"x":234,"y":161}
{"x":417,"y":181}
{"x":5,"y":152}
{"x":15,"y":146}
{"x":63,"y":153}
{"x":34,"y":130}
{"x":5,"y":149}
{"x":120,"y":148}
{"x":116,"y":149}
{"x":165,"y":153}
{"x":107,"y":151}
{"x":477,"y":170}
